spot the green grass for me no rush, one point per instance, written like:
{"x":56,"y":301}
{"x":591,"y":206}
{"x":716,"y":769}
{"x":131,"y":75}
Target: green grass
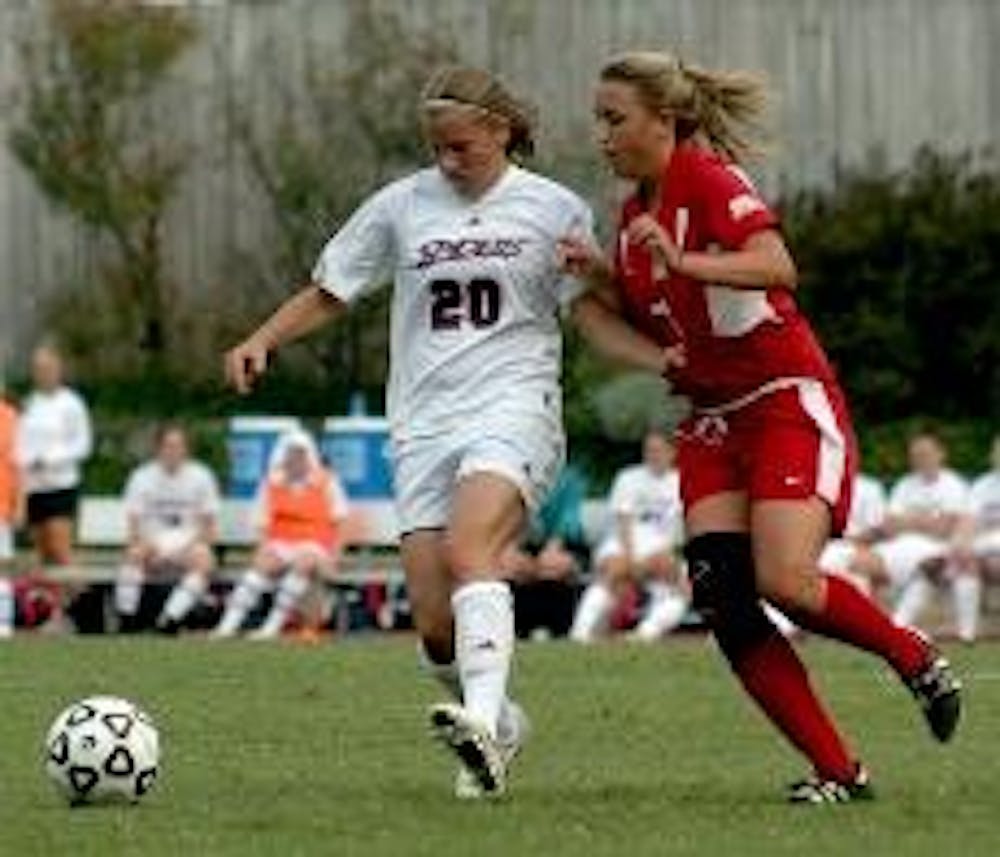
{"x":284,"y":750}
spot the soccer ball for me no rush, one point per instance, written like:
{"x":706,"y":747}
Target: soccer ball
{"x":102,"y":749}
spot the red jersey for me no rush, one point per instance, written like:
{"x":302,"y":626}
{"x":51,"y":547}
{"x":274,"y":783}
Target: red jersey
{"x":735,"y":339}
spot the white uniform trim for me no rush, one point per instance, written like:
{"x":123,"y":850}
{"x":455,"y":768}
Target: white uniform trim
{"x":832,"y":460}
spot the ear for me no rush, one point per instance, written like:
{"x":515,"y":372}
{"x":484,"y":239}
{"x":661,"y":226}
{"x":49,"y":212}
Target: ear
{"x":500,"y":130}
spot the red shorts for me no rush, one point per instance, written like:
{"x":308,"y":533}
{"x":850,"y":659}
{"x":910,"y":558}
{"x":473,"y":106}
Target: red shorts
{"x":792,"y":443}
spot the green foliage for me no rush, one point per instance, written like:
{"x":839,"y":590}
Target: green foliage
{"x":900,"y":275}
{"x":83,"y":136}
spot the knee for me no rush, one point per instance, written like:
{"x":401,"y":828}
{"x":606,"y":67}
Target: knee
{"x":306,"y":565}
{"x":470,"y":559}
{"x":201,"y":559}
{"x":791,"y":587}
{"x":614,"y":571}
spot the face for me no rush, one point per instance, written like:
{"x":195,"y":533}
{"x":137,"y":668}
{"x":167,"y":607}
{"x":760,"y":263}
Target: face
{"x":926,"y":455}
{"x":46,"y":369}
{"x":633,"y":139}
{"x":657,"y":453}
{"x":297,"y":462}
{"x":172,"y":452}
{"x":469,"y":148}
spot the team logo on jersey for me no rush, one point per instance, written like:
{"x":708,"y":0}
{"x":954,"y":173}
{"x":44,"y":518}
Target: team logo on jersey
{"x":440,"y":250}
{"x":744,"y":205}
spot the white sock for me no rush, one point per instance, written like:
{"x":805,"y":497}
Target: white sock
{"x":484,"y":646}
{"x":967,"y":590}
{"x":912,"y":601}
{"x":666,"y":609}
{"x":447,"y":676}
{"x":290,"y":591}
{"x":786,"y":627}
{"x":184,"y":596}
{"x":241,"y":601}
{"x":592,"y":612}
{"x":6,"y":607}
{"x":128,"y":589}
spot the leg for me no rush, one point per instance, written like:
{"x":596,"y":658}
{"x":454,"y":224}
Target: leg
{"x":199,"y":562}
{"x":487,"y":515}
{"x":720,"y":564}
{"x":668,"y":601}
{"x":967,"y":591}
{"x":128,"y":588}
{"x":599,"y":598}
{"x":788,"y":536}
{"x":53,"y":539}
{"x":257,"y":580}
{"x":292,"y":589}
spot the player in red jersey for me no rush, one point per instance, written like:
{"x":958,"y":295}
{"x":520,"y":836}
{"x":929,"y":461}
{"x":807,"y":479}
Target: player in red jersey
{"x":767,"y":455}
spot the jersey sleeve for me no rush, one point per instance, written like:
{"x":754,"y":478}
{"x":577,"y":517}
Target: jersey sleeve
{"x":622,"y":500}
{"x":132,"y":495}
{"x":211,"y":499}
{"x":731,"y":205}
{"x":337,"y":498}
{"x":360,"y":257}
{"x":899,"y":498}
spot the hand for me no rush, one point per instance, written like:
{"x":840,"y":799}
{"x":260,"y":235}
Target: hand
{"x":245,"y":363}
{"x":581,"y":258}
{"x":674,"y":357}
{"x":644,"y":231}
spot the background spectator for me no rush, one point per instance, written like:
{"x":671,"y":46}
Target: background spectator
{"x":301,"y":508}
{"x":926,"y":508}
{"x":641,"y":546}
{"x":53,"y":440}
{"x":543,"y":569}
{"x":172,"y":506}
{"x":979,"y":534}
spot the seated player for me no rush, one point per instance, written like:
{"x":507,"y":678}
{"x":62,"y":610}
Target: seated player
{"x":301,"y":508}
{"x":10,"y":509}
{"x":542,"y":569}
{"x":978,"y":540}
{"x":172,"y":506}
{"x":926,"y":508}
{"x":641,"y":547}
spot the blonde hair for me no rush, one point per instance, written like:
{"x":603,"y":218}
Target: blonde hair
{"x":726,"y":108}
{"x":476,"y":88}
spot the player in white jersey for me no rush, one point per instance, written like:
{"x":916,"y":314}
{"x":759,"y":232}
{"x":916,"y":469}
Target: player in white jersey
{"x":172,"y":507}
{"x":641,"y":545}
{"x":977,"y":550}
{"x":926,"y":508}
{"x":472,"y":248}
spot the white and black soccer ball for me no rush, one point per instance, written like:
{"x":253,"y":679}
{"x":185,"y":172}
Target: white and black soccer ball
{"x":102,"y":749}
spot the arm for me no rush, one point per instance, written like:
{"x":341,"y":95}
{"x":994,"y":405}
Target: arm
{"x":78,"y":441}
{"x":306,"y":311}
{"x":762,"y":262}
{"x":618,"y":341}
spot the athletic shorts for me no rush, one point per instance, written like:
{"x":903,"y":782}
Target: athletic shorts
{"x":527,"y":449}
{"x":904,"y":554}
{"x":45,"y":505}
{"x":288,"y":552}
{"x":792,"y":443}
{"x":646,"y":543}
{"x":987,"y":543}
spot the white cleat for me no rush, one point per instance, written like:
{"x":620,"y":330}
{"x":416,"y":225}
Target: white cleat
{"x":477,"y":750}
{"x":512,"y":734}
{"x":263,"y":635}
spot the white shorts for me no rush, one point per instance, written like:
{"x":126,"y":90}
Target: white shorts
{"x":904,"y":554}
{"x":288,"y":552}
{"x":646,"y":542}
{"x":838,"y":555}
{"x":987,"y":544}
{"x":6,"y":542}
{"x":172,"y":543}
{"x":528,"y":449}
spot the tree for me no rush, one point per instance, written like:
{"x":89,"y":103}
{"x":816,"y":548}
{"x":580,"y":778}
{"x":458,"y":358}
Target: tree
{"x":82,"y":136}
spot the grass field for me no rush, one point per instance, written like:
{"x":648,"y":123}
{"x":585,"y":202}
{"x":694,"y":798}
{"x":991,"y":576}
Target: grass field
{"x":285,"y":750}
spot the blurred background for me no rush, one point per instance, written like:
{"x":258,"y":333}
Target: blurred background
{"x":169,"y":171}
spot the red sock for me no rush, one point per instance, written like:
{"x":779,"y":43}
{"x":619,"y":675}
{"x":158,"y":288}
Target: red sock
{"x":850,"y":616}
{"x":774,"y":676}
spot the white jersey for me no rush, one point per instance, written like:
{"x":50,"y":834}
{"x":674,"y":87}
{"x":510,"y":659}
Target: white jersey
{"x":477,"y":292}
{"x":53,"y":438}
{"x":984,"y":501}
{"x":651,"y":501}
{"x":868,"y":506}
{"x":945,"y":494}
{"x":163,"y":502}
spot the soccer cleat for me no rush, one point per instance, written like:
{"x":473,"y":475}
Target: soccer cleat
{"x":510,"y":741}
{"x":940,"y":696}
{"x":477,"y":750}
{"x":818,"y":791}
